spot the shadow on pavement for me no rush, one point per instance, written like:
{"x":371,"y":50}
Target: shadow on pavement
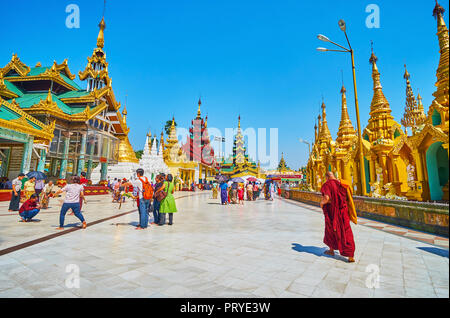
{"x":435,"y":250}
{"x":135,"y":224}
{"x":318,"y":251}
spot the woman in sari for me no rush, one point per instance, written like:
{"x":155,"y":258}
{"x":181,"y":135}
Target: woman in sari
{"x":29,"y":187}
{"x":224,"y":192}
{"x":168,"y":203}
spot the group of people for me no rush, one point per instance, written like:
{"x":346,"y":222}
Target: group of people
{"x":235,"y":192}
{"x":37,"y":195}
{"x":41,"y":190}
{"x":157,"y":198}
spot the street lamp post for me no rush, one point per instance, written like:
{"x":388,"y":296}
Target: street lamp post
{"x":321,"y":37}
{"x":309,"y":145}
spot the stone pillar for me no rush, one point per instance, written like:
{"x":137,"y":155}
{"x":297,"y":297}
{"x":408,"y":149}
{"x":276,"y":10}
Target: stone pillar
{"x":26,"y":157}
{"x":5,"y":166}
{"x":81,"y":161}
{"x":63,"y":171}
{"x":41,"y":164}
{"x":104,"y":168}
{"x":89,"y":165}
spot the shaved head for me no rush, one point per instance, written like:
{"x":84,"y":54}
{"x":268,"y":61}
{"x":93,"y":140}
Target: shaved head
{"x":329,"y":175}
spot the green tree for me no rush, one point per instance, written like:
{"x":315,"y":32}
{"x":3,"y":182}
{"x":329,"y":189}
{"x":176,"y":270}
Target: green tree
{"x":139,"y":153}
{"x":168,"y":125}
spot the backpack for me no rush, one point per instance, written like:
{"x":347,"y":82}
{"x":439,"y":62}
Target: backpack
{"x":147,"y":189}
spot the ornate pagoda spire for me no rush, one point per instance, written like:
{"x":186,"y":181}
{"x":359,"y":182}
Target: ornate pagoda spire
{"x":124,"y":114}
{"x":442,"y":84}
{"x":239,"y":148}
{"x":346,"y":132}
{"x":96,"y":71}
{"x":199,"y":113}
{"x":379,"y":102}
{"x":413,"y":116}
{"x":325,"y":131}
{"x":381,"y":120}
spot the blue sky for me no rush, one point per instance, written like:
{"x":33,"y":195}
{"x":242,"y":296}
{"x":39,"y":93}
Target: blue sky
{"x":254,"y":58}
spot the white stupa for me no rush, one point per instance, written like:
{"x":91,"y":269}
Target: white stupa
{"x":151,"y":161}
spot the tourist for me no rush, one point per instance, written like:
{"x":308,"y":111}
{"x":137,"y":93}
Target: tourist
{"x":271,"y":190}
{"x":156,"y":203}
{"x":145,"y":194}
{"x":224,"y":192}
{"x":338,"y":232}
{"x":249,"y":192}
{"x":74,"y":191}
{"x":29,"y":209}
{"x":255,"y":191}
{"x":241,"y":194}
{"x":15,"y":195}
{"x":29,"y":187}
{"x":116,"y":191}
{"x":168,"y":203}
{"x":84,"y":182}
{"x":46,"y":194}
{"x":234,"y":190}
{"x":38,"y":187}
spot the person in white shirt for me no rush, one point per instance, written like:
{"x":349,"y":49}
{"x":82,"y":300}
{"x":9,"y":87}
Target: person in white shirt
{"x":74,"y":191}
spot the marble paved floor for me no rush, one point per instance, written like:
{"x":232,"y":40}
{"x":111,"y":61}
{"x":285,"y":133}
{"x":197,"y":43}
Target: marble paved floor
{"x":261,"y":249}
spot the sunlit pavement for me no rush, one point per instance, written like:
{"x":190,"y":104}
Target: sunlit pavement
{"x":260,"y":249}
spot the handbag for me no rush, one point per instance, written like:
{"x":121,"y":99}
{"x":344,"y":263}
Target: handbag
{"x":161,"y":195}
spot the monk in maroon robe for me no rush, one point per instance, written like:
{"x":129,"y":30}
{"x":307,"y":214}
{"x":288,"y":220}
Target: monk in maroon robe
{"x":338,"y":233}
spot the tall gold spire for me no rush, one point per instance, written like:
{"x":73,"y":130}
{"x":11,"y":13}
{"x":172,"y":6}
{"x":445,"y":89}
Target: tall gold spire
{"x":325,"y":131}
{"x":381,"y":121}
{"x":379,"y":102}
{"x":442,"y":84}
{"x":346,"y":132}
{"x":413,"y":116}
{"x":101,"y":35}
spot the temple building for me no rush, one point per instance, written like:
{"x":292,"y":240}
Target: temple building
{"x":152,"y":161}
{"x":175,"y":158}
{"x":283,"y":173}
{"x":239,"y":164}
{"x":410,"y":163}
{"x":70,"y":129}
{"x":198,"y":147}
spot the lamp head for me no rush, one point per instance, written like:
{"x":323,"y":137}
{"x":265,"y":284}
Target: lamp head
{"x":322,"y":49}
{"x":322,"y":37}
{"x":342,"y":25}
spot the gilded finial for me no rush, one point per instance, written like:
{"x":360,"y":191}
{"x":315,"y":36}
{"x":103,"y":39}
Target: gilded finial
{"x":101,"y":37}
{"x":239,"y":121}
{"x":373,"y":59}
{"x":49,"y":96}
{"x":438,"y":10}
{"x":406,"y":76}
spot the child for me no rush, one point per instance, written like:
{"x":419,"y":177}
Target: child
{"x":29,"y":209}
{"x":241,"y":194}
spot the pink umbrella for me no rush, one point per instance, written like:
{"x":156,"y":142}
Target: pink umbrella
{"x":252,"y":179}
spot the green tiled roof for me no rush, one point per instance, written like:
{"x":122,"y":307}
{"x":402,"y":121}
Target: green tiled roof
{"x":13,"y":88}
{"x":36,"y":71}
{"x":8,"y":114}
{"x":73,"y":94}
{"x":28,"y":100}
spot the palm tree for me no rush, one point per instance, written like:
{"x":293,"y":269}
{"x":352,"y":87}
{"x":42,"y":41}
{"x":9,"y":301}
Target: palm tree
{"x":168,"y":125}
